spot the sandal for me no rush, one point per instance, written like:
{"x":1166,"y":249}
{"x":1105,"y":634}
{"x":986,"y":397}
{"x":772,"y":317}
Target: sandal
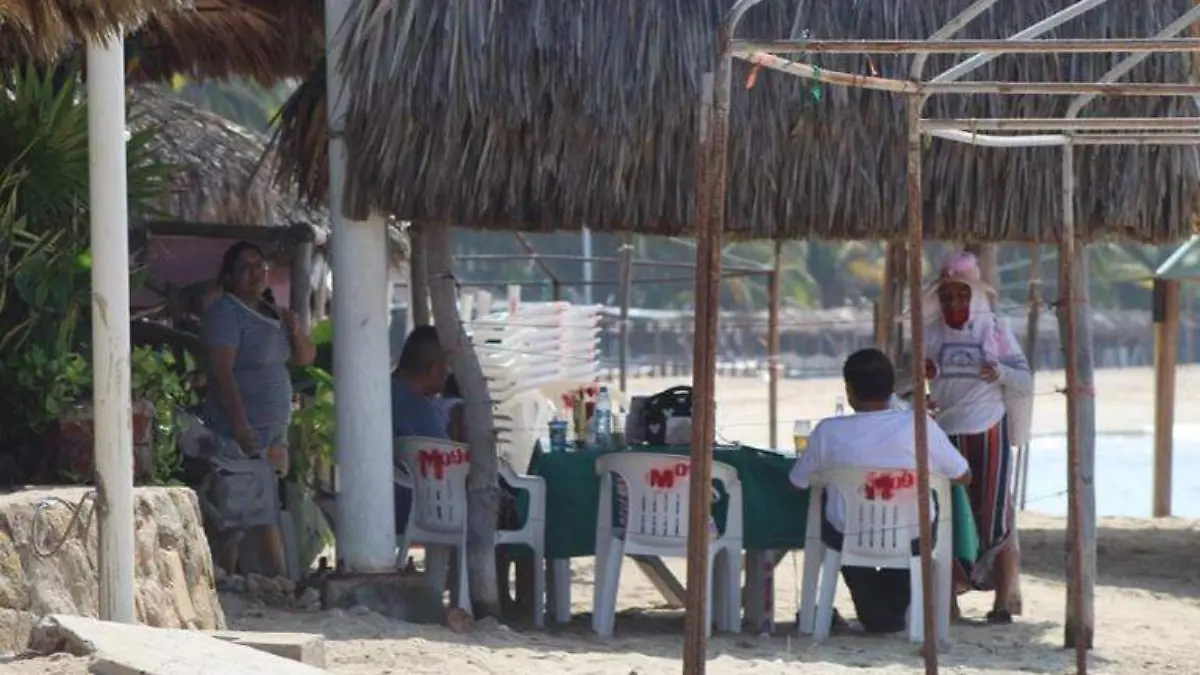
{"x":999,"y":617}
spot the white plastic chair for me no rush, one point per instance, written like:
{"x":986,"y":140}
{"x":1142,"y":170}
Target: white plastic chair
{"x":657,"y":524}
{"x":880,"y":527}
{"x":437,"y":474}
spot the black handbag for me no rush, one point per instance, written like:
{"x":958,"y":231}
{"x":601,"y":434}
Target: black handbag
{"x":674,"y":403}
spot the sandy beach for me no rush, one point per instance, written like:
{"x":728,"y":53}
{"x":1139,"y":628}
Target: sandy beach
{"x":1147,"y":596}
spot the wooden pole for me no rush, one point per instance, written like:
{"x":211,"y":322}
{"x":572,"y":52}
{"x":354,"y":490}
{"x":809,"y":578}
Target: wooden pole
{"x":916,"y":234}
{"x":710,"y":197}
{"x":625,"y":287}
{"x":1031,"y":353}
{"x":885,"y":318}
{"x":1081,"y":426}
{"x":483,"y":493}
{"x":899,"y":253}
{"x":776,"y":282}
{"x":418,"y":267}
{"x":1166,"y":358}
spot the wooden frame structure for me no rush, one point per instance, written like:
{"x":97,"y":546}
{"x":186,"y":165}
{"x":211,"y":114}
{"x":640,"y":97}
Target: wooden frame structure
{"x":1072,"y":131}
{"x":1167,"y":303}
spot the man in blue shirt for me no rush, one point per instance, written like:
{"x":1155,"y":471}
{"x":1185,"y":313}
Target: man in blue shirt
{"x":418,"y":379}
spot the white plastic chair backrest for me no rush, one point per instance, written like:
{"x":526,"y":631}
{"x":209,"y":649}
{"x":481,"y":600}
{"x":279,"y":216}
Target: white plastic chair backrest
{"x":881,"y":509}
{"x":438,"y":469}
{"x":659,"y":485}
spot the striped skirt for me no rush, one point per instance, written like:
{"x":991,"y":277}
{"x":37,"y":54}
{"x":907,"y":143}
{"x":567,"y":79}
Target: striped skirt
{"x":990,"y":456}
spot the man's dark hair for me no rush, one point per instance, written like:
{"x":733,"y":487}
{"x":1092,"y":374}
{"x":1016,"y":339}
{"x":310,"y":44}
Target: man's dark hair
{"x":421,"y":351}
{"x":869,"y":375}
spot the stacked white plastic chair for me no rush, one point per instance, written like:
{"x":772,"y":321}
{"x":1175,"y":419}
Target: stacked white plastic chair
{"x":437,"y":471}
{"x":531,"y":355}
{"x":657,"y":524}
{"x":881,"y":524}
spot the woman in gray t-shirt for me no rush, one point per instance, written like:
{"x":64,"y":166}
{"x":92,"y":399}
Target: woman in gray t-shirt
{"x":248,"y":342}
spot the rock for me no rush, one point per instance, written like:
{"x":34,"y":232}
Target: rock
{"x":303,"y":647}
{"x":310,"y":600}
{"x":459,"y":620}
{"x":174,"y":576}
{"x":121,"y":649}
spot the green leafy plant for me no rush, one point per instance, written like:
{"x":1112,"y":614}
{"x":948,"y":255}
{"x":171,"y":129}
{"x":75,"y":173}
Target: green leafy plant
{"x":311,"y":432}
{"x":38,"y":384}
{"x":157,"y":378}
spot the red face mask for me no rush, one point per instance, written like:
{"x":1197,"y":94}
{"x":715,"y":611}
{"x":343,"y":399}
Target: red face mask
{"x":956,"y":317}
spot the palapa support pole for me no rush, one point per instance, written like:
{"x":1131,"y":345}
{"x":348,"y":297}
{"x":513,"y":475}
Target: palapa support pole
{"x":916,"y":235}
{"x":1166,"y":357}
{"x":775,"y":284}
{"x":885,"y":317}
{"x":710,"y":203}
{"x":418,"y":269}
{"x":1031,"y":350}
{"x":113,"y":437}
{"x":1077,"y":346}
{"x":366,"y":529}
{"x":626,"y":270}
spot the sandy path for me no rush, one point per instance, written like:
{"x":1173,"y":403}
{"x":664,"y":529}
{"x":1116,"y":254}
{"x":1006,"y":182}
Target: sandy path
{"x":1146,"y":604}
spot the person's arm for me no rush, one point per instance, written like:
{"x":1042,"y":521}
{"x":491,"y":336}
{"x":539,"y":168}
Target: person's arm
{"x":221,"y":337}
{"x":304,"y":352}
{"x":944,"y":458}
{"x":808,"y":463}
{"x":1013,"y":367}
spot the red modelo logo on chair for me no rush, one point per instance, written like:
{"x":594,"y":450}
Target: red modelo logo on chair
{"x":438,"y":460}
{"x":884,"y":485}
{"x":664,"y":479}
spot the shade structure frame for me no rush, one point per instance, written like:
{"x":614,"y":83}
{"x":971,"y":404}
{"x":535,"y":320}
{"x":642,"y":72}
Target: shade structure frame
{"x":1139,"y":131}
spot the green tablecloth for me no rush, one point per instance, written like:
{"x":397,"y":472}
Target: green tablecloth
{"x":775,"y":514}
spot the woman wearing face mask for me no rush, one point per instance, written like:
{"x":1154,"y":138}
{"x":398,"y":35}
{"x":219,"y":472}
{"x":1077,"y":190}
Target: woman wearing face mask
{"x":973,"y":363}
{"x":248,"y":342}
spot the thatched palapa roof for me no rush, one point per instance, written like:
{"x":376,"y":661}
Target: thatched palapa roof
{"x":264,"y":40}
{"x":543,"y":115}
{"x":44,"y":29}
{"x":217,"y":177}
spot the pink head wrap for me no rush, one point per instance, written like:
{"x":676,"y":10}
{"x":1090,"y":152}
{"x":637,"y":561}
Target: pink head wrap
{"x":963,"y":267}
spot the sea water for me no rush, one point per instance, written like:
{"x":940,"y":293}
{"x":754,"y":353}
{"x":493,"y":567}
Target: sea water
{"x":1124,"y":474}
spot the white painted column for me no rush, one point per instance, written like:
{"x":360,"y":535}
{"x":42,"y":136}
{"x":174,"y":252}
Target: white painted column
{"x":587,"y":266}
{"x":366,"y":539}
{"x":110,"y":327}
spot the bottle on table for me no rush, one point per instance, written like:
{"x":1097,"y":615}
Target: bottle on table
{"x":604,"y":418}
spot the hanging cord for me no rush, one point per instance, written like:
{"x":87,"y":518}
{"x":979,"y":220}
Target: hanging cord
{"x":77,"y":516}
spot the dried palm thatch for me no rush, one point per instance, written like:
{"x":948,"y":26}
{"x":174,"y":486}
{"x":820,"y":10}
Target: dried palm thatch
{"x":44,"y":29}
{"x":265,"y":40}
{"x":216,"y":178}
{"x":219,"y":177}
{"x":545,"y":114}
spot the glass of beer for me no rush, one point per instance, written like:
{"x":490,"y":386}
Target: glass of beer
{"x":800,"y":433}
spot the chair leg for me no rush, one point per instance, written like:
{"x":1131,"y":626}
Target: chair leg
{"x":604,"y":606}
{"x":733,"y":590}
{"x":943,"y":574}
{"x":437,"y":564}
{"x":826,"y":594}
{"x":464,"y":582}
{"x":560,"y":588}
{"x":916,"y":609}
{"x":813,"y":553}
{"x":539,"y":588}
{"x":709,"y":601}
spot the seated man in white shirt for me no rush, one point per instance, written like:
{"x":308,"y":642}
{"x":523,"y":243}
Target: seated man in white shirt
{"x":876,"y":436}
